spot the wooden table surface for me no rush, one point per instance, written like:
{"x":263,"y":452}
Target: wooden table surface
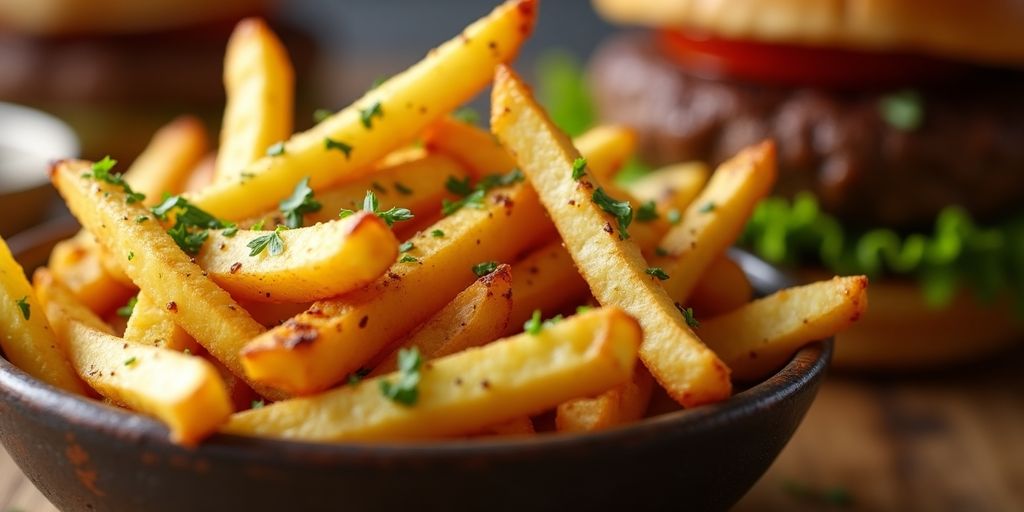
{"x":949,"y":441}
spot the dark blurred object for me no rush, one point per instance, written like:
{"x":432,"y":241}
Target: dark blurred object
{"x":119,"y":78}
{"x":29,"y":140}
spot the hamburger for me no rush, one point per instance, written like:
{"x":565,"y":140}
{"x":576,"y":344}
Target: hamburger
{"x":900,"y":134}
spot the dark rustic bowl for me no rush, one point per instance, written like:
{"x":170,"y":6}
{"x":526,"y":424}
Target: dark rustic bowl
{"x":84,"y":455}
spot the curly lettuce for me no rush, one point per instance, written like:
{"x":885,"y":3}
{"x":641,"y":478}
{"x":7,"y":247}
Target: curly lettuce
{"x":957,"y":252}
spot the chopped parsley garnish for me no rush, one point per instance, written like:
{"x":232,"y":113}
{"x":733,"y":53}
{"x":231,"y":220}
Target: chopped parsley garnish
{"x":131,"y":255}
{"x":130,"y":361}
{"x":621,"y":210}
{"x":127,"y":310}
{"x":661,"y":251}
{"x":688,"y":316}
{"x":583,"y":309}
{"x":467,"y":115}
{"x":25,"y":307}
{"x":458,"y":187}
{"x":673,"y":216}
{"x":321,"y":114}
{"x":500,"y":180}
{"x":300,"y":203}
{"x":437,"y":233}
{"x":271,"y":240}
{"x":141,"y":218}
{"x":372,"y":205}
{"x":406,"y":246}
{"x":190,"y":222}
{"x":258,"y":226}
{"x":402,"y":189}
{"x":533,"y":325}
{"x":647,"y":212}
{"x":257,"y":404}
{"x":903,"y":110}
{"x":408,"y":258}
{"x":378,"y":81}
{"x":708,"y":207}
{"x":485,"y":267}
{"x":579,"y":168}
{"x":406,"y":390}
{"x":276,"y":149}
{"x":474,"y":200}
{"x":366,"y":115}
{"x":657,"y":272}
{"x":357,"y":376}
{"x":101,"y":172}
{"x":330,"y":144}
{"x":231,"y":230}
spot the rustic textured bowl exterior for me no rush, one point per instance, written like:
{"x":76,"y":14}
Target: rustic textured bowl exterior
{"x":84,"y":455}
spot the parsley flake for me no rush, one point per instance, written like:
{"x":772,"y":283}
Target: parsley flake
{"x":688,"y":316}
{"x":321,"y":114}
{"x":661,"y":251}
{"x":300,"y":203}
{"x":474,"y":200}
{"x":533,"y":325}
{"x":257,"y":404}
{"x":130,"y":361}
{"x":647,"y":212}
{"x":467,"y":115}
{"x":406,"y":246}
{"x":25,"y":307}
{"x":366,"y":115}
{"x":458,"y":187}
{"x":707,"y":207}
{"x":657,"y":272}
{"x":408,"y":258}
{"x":583,"y":309}
{"x":131,"y":255}
{"x":406,"y":390}
{"x":129,"y":308}
{"x":621,"y":210}
{"x":330,"y":144}
{"x":276,"y":149}
{"x":673,"y":216}
{"x":271,"y":240}
{"x":485,"y":267}
{"x":357,"y":376}
{"x":437,"y":233}
{"x":579,"y":168}
{"x":101,"y":172}
{"x":141,"y":218}
{"x":190,"y":222}
{"x":402,"y":189}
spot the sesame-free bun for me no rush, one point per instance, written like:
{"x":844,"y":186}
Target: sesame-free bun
{"x":983,"y":31}
{"x":63,"y":17}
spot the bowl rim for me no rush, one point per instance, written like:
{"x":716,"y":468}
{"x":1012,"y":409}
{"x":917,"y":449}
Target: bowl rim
{"x":53,"y":405}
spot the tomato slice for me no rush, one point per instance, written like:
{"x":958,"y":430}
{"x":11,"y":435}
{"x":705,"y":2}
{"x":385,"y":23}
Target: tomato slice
{"x":782,"y":64}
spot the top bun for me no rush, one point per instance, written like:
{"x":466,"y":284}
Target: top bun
{"x":87,"y":17}
{"x":983,"y":31}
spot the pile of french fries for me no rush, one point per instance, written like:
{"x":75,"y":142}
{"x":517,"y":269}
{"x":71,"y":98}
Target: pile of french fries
{"x":394,"y":273}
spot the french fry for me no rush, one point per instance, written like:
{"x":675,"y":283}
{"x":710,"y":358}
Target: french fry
{"x":168,"y":160}
{"x":27,"y":339}
{"x":468,"y":391}
{"x":716,"y":218}
{"x":417,"y":184}
{"x":722,"y":288}
{"x":620,"y":405}
{"x":271,"y":314}
{"x":202,"y":174}
{"x":260,"y":86}
{"x":476,"y":316}
{"x":49,"y":289}
{"x":342,"y":147}
{"x":151,"y":324}
{"x":158,"y":265}
{"x":614,"y":268}
{"x":335,"y":337}
{"x":760,"y":336}
{"x":184,"y":392}
{"x":673,"y":187}
{"x":318,"y":262}
{"x":545,"y":280}
{"x":475,"y":148}
{"x":612,"y":146}
{"x":522,"y":426}
{"x":77,"y":262}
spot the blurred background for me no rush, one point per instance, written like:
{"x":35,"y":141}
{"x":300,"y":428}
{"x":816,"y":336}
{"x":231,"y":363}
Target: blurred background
{"x":933,"y":440}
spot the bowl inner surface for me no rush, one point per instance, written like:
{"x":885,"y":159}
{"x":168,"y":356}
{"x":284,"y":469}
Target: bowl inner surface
{"x":29,"y":140}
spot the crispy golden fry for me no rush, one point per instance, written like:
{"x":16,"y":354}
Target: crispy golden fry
{"x":318,"y":262}
{"x":476,"y":316}
{"x":26,"y":338}
{"x":260,"y":86}
{"x":545,"y":280}
{"x":184,"y":392}
{"x":620,"y":405}
{"x":241,"y":395}
{"x":716,"y":218}
{"x":475,"y":148}
{"x":49,"y":289}
{"x":342,"y":147}
{"x":76,"y":261}
{"x":723,"y":288}
{"x":614,"y":268}
{"x":468,"y":391}
{"x":760,"y":336}
{"x":673,"y":187}
{"x":168,"y":160}
{"x":152,"y":324}
{"x":318,"y":348}
{"x":417,"y":184}
{"x":158,"y":265}
{"x":611,"y":146}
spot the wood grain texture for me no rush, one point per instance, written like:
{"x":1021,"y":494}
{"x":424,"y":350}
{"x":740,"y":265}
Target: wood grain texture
{"x":947,"y":441}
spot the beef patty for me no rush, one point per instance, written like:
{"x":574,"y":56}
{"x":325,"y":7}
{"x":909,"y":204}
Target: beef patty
{"x":968,"y":151}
